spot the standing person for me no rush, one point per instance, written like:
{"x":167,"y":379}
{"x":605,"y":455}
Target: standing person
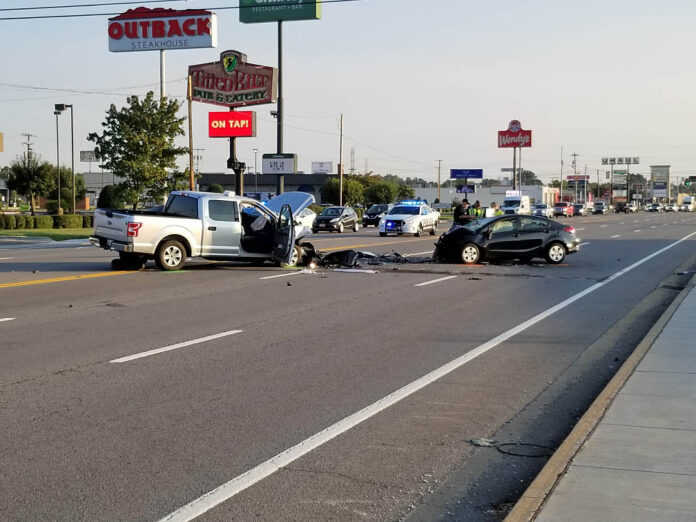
{"x":496,"y":209}
{"x":477,"y":210}
{"x":460,"y":211}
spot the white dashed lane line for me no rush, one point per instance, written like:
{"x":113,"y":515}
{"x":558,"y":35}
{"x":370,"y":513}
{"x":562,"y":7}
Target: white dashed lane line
{"x":617,"y":235}
{"x":637,"y":230}
{"x":6,"y":258}
{"x":3,"y":319}
{"x":175,"y":346}
{"x":602,"y":226}
{"x":439,"y":280}
{"x":281,"y":275}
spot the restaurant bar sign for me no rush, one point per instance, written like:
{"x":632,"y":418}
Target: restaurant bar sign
{"x":144,"y":29}
{"x":258,"y":11}
{"x":232,"y":82}
{"x":514,"y":136}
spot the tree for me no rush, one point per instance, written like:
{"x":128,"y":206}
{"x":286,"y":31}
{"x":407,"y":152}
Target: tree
{"x":30,"y":178}
{"x":381,"y":192}
{"x":109,"y":197}
{"x":138,"y":144}
{"x":352,"y":191}
{"x":405,"y":192}
{"x":66,"y":196}
{"x":488,"y":182}
{"x":216,"y":187}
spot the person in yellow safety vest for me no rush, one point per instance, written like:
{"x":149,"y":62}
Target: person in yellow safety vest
{"x":496,"y":209}
{"x":477,"y":210}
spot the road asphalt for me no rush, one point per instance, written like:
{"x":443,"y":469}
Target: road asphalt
{"x":631,"y":457}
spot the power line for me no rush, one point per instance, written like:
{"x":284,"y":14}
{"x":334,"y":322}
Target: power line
{"x":223,"y":8}
{"x":74,"y":6}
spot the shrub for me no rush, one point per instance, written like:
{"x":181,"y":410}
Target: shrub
{"x":43,"y":222}
{"x":216,"y":187}
{"x":68,"y":221}
{"x":110,"y":197}
{"x":2,"y":221}
{"x":87,"y":221}
{"x":20,"y":222}
{"x":52,"y":206}
{"x":10,"y":222}
{"x":29,"y":221}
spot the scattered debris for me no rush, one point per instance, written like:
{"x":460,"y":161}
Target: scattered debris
{"x":485,"y":443}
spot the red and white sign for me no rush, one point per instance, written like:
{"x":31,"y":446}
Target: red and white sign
{"x":578,"y":177}
{"x":144,"y":29}
{"x":514,"y":136}
{"x":232,"y":124}
{"x":233,"y":82}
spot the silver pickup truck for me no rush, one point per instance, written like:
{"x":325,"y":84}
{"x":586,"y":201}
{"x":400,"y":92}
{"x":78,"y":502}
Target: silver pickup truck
{"x":207,"y":225}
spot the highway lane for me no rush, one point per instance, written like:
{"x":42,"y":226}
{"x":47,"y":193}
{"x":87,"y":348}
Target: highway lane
{"x":167,"y":427}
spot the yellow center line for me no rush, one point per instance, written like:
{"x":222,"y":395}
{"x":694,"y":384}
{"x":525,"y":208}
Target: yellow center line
{"x":67,"y":278}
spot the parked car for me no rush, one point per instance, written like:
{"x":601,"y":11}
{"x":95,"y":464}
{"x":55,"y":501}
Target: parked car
{"x":670,"y":207}
{"x":562,"y":208}
{"x":581,"y":210}
{"x":373,"y":214}
{"x":600,"y":208}
{"x":542,"y":209}
{"x":653,"y":207}
{"x":409,"y":217}
{"x":336,"y":219}
{"x":632,"y":206}
{"x":507,"y":236}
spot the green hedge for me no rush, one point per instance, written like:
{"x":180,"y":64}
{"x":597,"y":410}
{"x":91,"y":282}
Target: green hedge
{"x":67,"y":221}
{"x":43,"y":221}
{"x":20,"y":222}
{"x":29,"y":221}
{"x":10,"y":222}
{"x":87,"y":221}
{"x":2,"y":221}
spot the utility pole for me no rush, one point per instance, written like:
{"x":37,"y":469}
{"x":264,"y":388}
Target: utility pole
{"x":340,"y":166}
{"x":575,"y":174}
{"x":352,"y":160}
{"x":561,"y":188}
{"x":439,"y":164}
{"x":30,"y":164}
{"x":597,"y":183}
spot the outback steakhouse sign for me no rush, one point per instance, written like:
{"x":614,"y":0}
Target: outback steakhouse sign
{"x":232,"y":82}
{"x":144,"y":29}
{"x":514,"y":136}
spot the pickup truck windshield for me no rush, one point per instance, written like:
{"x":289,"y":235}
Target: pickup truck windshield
{"x":181,"y":205}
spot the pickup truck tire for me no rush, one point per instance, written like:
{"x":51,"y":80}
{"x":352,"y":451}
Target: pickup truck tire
{"x":171,"y":255}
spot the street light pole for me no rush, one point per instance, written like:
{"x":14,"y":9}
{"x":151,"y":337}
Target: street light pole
{"x":60,"y":107}
{"x":256,"y":173}
{"x":60,"y":210}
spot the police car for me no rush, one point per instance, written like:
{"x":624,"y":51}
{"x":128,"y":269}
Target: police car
{"x":409,"y":217}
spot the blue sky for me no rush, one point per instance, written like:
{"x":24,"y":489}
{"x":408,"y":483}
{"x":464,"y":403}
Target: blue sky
{"x":416,"y":81}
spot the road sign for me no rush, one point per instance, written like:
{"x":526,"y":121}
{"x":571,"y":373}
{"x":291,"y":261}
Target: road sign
{"x":256,"y":11}
{"x":466,"y":173}
{"x":88,"y":156}
{"x":466,"y":189}
{"x":279,"y":164}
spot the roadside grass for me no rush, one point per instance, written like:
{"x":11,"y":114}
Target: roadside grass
{"x":56,"y":234}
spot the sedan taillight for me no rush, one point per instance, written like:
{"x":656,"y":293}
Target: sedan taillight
{"x":569,"y":229}
{"x":133,"y":229}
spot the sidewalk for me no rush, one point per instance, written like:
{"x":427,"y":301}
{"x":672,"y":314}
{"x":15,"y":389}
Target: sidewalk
{"x":639,"y":464}
{"x":7,"y":242}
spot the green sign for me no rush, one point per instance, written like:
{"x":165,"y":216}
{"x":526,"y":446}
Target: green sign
{"x":257,"y":11}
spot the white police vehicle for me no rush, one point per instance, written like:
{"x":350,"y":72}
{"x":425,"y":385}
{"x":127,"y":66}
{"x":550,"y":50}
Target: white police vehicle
{"x":409,"y":217}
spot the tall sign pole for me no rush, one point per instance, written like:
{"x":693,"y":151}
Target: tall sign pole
{"x":280,"y":178}
{"x":192,"y":181}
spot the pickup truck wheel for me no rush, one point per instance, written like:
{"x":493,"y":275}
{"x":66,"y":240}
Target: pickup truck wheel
{"x":171,"y":255}
{"x":130,"y":261}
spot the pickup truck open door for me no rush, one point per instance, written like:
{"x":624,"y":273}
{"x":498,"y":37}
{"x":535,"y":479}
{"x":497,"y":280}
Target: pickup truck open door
{"x":285,"y":236}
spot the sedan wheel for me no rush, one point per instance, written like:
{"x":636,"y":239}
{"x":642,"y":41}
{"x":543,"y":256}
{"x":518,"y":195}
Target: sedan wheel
{"x":340,"y":228}
{"x":470,"y":254}
{"x":433,"y":230}
{"x":419,"y":231}
{"x":356,"y":227}
{"x":555,"y":253}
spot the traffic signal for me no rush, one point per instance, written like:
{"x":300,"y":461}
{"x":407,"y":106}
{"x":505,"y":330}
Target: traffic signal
{"x":688,"y":181}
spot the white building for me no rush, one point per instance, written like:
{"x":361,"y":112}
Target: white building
{"x":487,"y":195}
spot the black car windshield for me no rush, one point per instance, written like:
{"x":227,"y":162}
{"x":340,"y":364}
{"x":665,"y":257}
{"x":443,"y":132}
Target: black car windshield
{"x":404,"y":209}
{"x":511,"y":203}
{"x":331,"y":211}
{"x":377,"y":209}
{"x":540,"y":206}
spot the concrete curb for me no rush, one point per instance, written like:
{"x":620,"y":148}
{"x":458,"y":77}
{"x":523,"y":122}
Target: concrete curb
{"x":534,"y":498}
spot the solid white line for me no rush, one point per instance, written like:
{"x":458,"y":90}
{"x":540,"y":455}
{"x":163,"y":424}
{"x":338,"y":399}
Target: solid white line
{"x":3,"y":319}
{"x":175,"y":346}
{"x":281,"y":275}
{"x":5,"y":258}
{"x":617,"y":235}
{"x":435,"y":281}
{"x":238,"y":484}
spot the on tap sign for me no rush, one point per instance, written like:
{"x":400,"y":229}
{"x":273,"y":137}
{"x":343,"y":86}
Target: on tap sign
{"x":232,"y":124}
{"x":514,"y":136}
{"x":144,"y":29}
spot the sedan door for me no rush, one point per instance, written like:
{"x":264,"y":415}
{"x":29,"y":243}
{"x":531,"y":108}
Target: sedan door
{"x":532,"y":234}
{"x":503,"y":237}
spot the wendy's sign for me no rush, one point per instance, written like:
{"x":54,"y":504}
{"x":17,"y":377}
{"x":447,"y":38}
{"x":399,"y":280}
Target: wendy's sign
{"x":514,"y":136}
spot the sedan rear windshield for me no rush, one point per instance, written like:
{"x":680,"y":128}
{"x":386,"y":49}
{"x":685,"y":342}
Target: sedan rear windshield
{"x":377,"y":208}
{"x":331,"y":211}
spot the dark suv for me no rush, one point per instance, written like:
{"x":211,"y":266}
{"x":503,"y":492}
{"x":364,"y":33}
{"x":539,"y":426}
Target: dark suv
{"x":374,"y":214}
{"x":336,"y":218}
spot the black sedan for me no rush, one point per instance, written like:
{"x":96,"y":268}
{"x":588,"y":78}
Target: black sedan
{"x":336,"y":218}
{"x":374,"y":214}
{"x":507,"y":237}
